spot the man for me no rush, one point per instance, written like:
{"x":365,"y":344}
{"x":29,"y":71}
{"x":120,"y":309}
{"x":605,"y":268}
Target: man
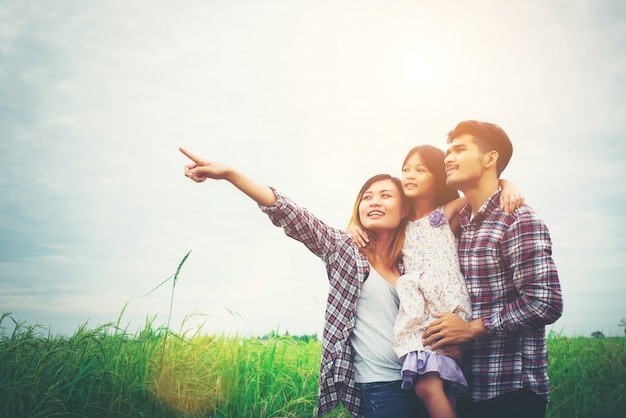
{"x":512,"y":281}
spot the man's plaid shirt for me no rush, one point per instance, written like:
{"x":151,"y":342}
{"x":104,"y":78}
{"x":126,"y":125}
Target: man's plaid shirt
{"x":514,"y":287}
{"x":347,"y":269}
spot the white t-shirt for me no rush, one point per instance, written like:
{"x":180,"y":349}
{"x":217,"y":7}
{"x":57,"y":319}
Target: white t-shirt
{"x":372,"y":336}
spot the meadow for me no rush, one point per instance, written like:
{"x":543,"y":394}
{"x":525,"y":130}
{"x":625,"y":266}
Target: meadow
{"x":108,"y":372}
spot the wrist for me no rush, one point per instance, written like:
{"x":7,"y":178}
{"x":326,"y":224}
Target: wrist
{"x":477,"y":328}
{"x":231,"y":175}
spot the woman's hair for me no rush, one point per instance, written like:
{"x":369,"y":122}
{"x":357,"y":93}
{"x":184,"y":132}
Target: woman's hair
{"x":394,"y":252}
{"x":432,"y":158}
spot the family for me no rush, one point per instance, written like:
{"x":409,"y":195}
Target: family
{"x":437,"y":304}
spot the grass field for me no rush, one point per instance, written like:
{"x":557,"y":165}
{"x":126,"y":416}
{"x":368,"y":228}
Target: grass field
{"x":106,"y":372}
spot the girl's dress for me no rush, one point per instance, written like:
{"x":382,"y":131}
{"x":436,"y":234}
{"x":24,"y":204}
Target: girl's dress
{"x":432,"y":283}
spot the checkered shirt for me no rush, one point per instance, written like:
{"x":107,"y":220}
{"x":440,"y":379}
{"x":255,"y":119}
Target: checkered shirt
{"x":514,"y":287}
{"x":347,"y":269}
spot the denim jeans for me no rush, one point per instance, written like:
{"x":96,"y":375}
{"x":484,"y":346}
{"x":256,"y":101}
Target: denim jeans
{"x":518,"y":404}
{"x":387,"y":399}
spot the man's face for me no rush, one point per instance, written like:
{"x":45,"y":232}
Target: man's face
{"x":464,"y":163}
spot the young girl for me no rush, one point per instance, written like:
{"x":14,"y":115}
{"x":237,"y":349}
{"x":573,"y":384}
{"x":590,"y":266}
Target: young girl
{"x":359,"y":367}
{"x":432,"y":282}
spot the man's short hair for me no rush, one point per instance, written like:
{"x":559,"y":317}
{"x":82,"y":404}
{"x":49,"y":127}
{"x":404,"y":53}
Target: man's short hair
{"x":489,"y":136}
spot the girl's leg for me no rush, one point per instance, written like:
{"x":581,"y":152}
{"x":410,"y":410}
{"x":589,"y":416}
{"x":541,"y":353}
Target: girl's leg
{"x":429,"y":388}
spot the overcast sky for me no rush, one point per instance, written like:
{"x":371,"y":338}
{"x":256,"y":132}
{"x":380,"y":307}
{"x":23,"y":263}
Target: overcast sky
{"x":312,"y":97}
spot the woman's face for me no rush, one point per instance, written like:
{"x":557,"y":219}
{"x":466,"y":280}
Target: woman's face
{"x":380,"y":207}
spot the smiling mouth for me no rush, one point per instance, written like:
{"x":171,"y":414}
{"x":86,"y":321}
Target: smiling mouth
{"x":375,"y":213}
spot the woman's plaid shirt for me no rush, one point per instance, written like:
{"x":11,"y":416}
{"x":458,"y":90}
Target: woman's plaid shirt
{"x":347,"y":269}
{"x":514,"y":287}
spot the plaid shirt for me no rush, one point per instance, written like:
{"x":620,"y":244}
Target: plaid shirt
{"x":514,"y":287}
{"x":347,"y":269}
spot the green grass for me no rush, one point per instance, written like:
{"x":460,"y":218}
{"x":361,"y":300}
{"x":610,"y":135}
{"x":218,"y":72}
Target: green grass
{"x":588,"y":377}
{"x":109,"y":372}
{"x":106,"y":372}
{"x":155,"y":373}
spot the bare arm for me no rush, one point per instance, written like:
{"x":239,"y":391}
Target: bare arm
{"x":358,"y":235}
{"x":200,"y":170}
{"x":297,"y":222}
{"x":510,"y":198}
{"x":452,"y":209}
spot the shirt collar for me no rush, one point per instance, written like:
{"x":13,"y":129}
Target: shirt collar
{"x":487,"y":208}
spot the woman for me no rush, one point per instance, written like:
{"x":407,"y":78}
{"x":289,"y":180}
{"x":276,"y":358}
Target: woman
{"x":358,"y":367}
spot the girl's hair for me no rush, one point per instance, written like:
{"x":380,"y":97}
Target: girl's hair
{"x":394,"y":252}
{"x":432,"y":158}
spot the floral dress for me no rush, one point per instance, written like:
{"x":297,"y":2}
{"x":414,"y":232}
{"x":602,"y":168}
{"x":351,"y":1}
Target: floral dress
{"x":432,"y":283}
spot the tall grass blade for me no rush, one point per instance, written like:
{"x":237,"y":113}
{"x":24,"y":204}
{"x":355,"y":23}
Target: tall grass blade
{"x":169,"y":316}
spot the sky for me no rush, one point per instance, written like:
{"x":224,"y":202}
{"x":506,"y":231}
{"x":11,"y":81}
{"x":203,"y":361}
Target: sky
{"x":311,"y":97}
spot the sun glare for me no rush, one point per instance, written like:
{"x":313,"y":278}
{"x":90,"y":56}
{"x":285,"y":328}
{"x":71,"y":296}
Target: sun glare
{"x":422,"y":68}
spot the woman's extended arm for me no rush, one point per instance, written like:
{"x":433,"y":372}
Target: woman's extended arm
{"x":297,"y":222}
{"x":202,"y":169}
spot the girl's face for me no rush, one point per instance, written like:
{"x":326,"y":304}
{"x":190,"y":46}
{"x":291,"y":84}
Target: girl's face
{"x":380,"y":207}
{"x":417,"y":180}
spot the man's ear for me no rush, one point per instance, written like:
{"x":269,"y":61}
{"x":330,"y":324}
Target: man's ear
{"x":491,"y":158}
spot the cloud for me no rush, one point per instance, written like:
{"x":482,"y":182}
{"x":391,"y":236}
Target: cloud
{"x":310,"y":97}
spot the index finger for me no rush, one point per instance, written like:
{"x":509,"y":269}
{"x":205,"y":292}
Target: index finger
{"x":189,"y":155}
